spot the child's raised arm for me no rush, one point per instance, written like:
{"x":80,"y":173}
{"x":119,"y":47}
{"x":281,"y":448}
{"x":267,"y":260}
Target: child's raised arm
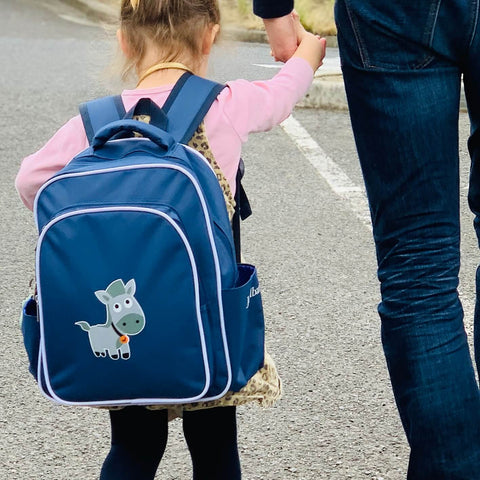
{"x":310,"y":47}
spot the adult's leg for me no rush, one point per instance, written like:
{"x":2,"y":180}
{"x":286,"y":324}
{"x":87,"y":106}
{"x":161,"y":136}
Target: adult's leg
{"x":402,"y":80}
{"x":211,"y":436}
{"x":139,"y":438}
{"x":472,"y":91}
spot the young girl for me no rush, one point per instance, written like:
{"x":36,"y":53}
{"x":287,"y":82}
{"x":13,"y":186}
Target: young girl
{"x":161,"y":39}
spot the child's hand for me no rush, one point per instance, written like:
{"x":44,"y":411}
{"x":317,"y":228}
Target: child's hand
{"x":310,"y":47}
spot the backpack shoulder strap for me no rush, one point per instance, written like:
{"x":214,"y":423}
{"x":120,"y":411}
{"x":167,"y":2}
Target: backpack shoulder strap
{"x":97,"y":113}
{"x":186,"y":111}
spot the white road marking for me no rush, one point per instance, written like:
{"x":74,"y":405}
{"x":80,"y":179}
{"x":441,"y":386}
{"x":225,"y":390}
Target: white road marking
{"x":335,"y":177}
{"x":268,"y":65}
{"x":77,"y":20}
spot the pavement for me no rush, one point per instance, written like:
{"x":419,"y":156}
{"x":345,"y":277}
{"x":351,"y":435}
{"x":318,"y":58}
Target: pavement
{"x":327,"y":90}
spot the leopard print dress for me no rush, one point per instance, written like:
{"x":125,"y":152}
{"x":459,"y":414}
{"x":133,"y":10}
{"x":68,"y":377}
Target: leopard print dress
{"x":265,"y":387}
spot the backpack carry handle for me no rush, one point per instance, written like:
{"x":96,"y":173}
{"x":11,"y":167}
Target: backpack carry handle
{"x":160,"y":137}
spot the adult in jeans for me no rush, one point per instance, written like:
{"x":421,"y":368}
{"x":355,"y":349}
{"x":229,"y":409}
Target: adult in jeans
{"x":402,"y":63}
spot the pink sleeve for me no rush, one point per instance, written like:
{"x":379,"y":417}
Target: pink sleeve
{"x":261,"y":105}
{"x":39,"y":167}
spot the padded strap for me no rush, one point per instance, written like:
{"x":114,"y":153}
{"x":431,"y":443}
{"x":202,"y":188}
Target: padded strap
{"x":97,"y":113}
{"x":186,"y":111}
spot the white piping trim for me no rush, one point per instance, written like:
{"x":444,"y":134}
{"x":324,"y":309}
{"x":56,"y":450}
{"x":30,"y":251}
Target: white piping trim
{"x":43,"y":365}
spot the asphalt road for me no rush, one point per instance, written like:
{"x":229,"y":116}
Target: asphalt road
{"x":314,"y":252}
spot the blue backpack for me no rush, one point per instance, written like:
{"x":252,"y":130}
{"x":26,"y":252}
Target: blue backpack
{"x":140,"y":299}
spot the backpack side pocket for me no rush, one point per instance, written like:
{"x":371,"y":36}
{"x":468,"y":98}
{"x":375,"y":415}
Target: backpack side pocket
{"x":245,"y":326}
{"x":31,"y":333}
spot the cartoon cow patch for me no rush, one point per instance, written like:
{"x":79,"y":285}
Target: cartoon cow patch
{"x":125,"y":318}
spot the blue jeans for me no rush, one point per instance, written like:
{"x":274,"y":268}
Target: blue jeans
{"x":402,"y":62}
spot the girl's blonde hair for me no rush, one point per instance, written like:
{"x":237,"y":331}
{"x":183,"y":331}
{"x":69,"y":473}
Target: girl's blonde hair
{"x":175,"y":27}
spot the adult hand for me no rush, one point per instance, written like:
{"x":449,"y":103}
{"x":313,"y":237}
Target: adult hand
{"x":282,"y":36}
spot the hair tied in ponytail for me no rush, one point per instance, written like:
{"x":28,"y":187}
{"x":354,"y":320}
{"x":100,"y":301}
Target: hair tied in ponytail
{"x":134,"y":3}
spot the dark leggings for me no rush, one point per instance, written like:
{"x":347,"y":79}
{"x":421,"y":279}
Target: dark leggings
{"x":139,"y":438}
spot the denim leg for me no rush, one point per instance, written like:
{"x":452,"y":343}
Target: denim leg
{"x":403,"y":89}
{"x":472,"y":91}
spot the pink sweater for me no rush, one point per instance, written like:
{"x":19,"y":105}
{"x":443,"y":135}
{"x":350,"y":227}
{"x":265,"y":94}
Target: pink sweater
{"x":241,"y":108}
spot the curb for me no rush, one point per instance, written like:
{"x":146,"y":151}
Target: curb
{"x":327,"y":90}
